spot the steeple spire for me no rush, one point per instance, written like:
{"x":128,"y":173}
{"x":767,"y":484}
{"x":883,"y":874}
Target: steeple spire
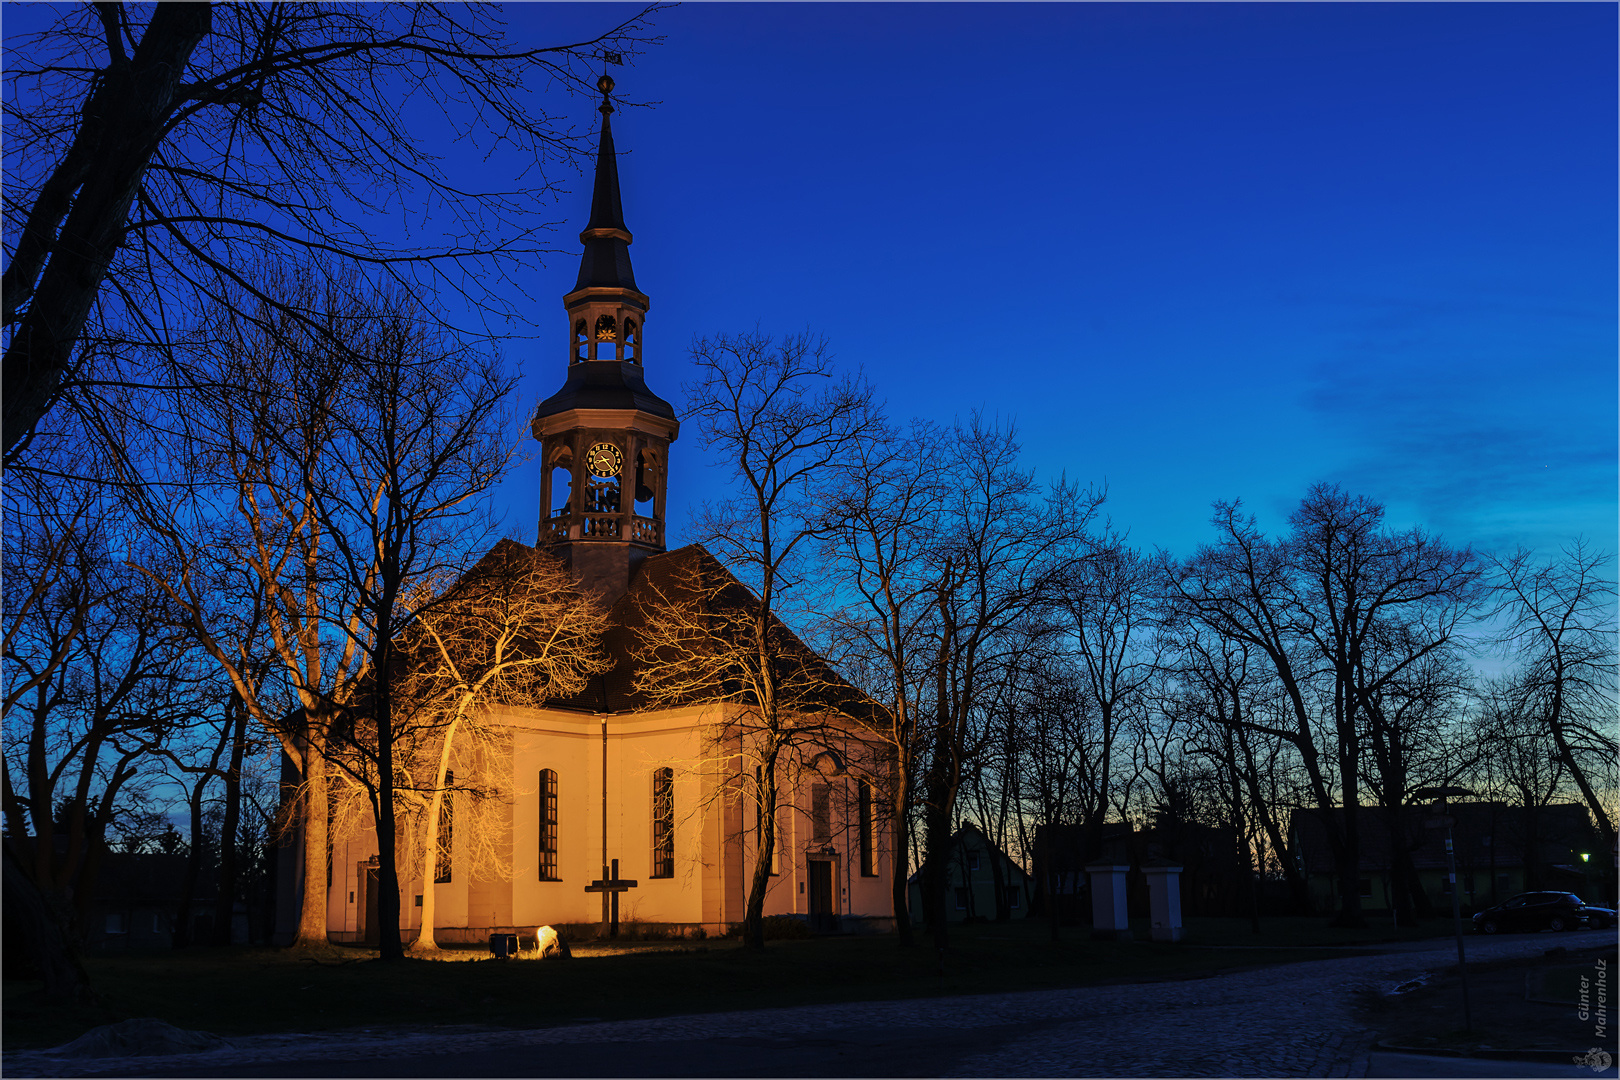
{"x":606,"y":210}
{"x":606,"y":261}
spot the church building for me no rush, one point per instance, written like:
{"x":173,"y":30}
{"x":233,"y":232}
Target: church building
{"x":615,"y":802}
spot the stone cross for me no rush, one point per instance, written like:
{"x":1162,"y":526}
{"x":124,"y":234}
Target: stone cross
{"x":610,"y":885}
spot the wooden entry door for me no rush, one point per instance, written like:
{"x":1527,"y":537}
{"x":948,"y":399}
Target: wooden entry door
{"x":823,"y":900}
{"x":373,"y":932}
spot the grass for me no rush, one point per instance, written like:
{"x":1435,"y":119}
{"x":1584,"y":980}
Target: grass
{"x":1297,"y":932}
{"x":1561,"y":985}
{"x":244,"y":991}
{"x":1524,"y":1003}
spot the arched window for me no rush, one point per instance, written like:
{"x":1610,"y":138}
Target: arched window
{"x":581,"y":344}
{"x":646,"y":478}
{"x":607,"y":337}
{"x":548,"y":825}
{"x":632,"y":341}
{"x":663,"y":823}
{"x":562,"y":483}
{"x":820,"y":813}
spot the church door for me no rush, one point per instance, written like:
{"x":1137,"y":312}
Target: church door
{"x":823,"y":909}
{"x":373,"y":932}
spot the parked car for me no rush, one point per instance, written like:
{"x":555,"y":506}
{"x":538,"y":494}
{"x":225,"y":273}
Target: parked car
{"x":1599,"y":918}
{"x":1533,"y":911}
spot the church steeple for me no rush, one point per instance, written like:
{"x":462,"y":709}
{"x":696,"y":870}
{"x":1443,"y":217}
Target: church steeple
{"x":604,"y":435}
{"x":606,"y":262}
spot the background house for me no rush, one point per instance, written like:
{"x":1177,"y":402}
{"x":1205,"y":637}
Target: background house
{"x":977,"y":870}
{"x":1500,"y":850}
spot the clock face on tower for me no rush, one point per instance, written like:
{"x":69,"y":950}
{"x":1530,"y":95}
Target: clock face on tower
{"x":604,"y":460}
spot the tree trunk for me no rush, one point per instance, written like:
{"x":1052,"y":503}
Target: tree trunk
{"x":1348,"y":855}
{"x":183,"y":918}
{"x":1053,"y":915}
{"x":225,"y":901}
{"x":1401,"y":870}
{"x":316,"y":834}
{"x":753,"y":927}
{"x":391,"y":947}
{"x":49,"y":944}
{"x":424,"y":942}
{"x":1531,"y":841}
{"x":901,"y":839}
{"x":935,"y":870}
{"x":1594,"y":802}
{"x":123,"y":123}
{"x":998,"y":882}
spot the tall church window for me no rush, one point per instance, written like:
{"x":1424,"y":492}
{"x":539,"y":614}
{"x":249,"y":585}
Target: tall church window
{"x":632,"y":341}
{"x":548,"y":825}
{"x":581,"y":344}
{"x":447,"y":831}
{"x":663,"y":838}
{"x":868,"y":823}
{"x":820,"y":813}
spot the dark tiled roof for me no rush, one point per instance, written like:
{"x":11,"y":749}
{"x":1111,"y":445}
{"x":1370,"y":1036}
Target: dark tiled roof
{"x":690,"y":575}
{"x":605,"y":384}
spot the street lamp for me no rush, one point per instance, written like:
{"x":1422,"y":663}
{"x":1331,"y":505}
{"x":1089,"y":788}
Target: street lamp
{"x":1443,"y":820}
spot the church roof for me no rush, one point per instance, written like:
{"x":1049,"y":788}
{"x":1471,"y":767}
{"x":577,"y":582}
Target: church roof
{"x":605,"y":384}
{"x":606,"y":261}
{"x":693,"y":577}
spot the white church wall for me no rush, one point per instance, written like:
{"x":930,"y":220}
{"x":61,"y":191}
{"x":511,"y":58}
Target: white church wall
{"x":641,"y":745}
{"x":569,"y":744}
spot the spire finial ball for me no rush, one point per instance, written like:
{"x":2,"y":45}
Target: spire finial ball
{"x":605,"y":84}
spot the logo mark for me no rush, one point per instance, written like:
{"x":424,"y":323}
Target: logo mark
{"x":1595,"y":1059}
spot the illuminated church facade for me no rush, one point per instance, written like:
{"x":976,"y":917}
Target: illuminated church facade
{"x":603,"y":782}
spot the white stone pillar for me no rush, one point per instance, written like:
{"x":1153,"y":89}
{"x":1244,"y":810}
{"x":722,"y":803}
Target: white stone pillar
{"x":1108,"y":915}
{"x":1164,"y":897}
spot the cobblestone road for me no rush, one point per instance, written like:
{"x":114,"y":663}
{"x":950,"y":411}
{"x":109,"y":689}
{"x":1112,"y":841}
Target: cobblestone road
{"x":1291,"y":1020}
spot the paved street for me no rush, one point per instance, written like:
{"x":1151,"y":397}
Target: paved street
{"x":1292,"y":1020}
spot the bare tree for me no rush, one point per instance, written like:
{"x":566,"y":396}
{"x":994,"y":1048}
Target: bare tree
{"x":994,"y":569}
{"x":1235,"y":709}
{"x":418,"y":433}
{"x":885,"y":504}
{"x":511,"y":632}
{"x":227,"y":481}
{"x":1313,"y":605}
{"x":778,"y":416}
{"x":1413,"y":741}
{"x":1513,"y":763}
{"x":1560,"y":621}
{"x":1108,"y":597}
{"x":157,"y":151}
{"x":1053,"y":716}
{"x":96,"y":679}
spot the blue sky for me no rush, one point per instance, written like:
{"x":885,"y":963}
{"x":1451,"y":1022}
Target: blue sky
{"x":1197,"y":251}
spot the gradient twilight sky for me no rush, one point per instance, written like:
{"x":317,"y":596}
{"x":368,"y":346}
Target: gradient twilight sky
{"x":1197,"y":251}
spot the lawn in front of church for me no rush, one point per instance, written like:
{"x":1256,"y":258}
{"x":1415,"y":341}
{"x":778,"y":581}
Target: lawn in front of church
{"x":242,"y":991}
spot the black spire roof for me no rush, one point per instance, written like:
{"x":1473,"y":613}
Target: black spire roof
{"x":598,"y":385}
{"x":606,"y":262}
